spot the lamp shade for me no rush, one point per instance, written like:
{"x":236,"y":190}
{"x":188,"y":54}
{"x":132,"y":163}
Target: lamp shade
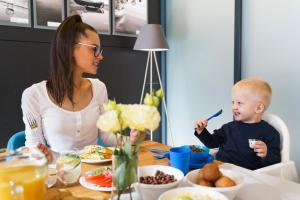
{"x":151,"y":38}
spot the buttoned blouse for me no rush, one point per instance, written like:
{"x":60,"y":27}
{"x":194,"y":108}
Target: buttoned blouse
{"x":62,"y":129}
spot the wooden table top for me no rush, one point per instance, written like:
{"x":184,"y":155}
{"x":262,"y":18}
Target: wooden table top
{"x":145,"y":158}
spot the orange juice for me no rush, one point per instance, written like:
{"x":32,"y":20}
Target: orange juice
{"x":23,"y":183}
{"x":23,"y":174}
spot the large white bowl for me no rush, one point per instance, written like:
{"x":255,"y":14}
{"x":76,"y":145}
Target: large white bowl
{"x":193,"y":192}
{"x":152,"y":192}
{"x":230,"y":192}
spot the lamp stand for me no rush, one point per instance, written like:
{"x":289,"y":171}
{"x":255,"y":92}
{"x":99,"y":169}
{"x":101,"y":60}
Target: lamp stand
{"x":151,"y":56}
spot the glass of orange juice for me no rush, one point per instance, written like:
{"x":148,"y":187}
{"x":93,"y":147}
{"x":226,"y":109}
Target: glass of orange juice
{"x":23,"y":176}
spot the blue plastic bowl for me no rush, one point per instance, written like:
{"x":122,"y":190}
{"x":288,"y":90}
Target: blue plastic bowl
{"x":209,"y":159}
{"x":199,"y":157}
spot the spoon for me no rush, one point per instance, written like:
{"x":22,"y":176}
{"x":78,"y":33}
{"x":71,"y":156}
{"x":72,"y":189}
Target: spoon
{"x":215,"y":115}
{"x":165,"y":155}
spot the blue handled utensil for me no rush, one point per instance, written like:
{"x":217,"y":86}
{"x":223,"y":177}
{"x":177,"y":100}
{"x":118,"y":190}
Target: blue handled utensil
{"x":215,"y":115}
{"x":159,"y":151}
{"x":165,"y":155}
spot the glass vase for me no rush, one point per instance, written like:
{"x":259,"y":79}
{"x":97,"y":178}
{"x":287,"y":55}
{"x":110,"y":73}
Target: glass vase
{"x":124,"y":166}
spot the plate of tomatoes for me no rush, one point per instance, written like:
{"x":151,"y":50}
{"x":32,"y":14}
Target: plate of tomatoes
{"x":98,"y":179}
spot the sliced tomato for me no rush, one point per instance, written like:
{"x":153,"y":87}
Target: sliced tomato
{"x":103,"y":182}
{"x":96,"y":177}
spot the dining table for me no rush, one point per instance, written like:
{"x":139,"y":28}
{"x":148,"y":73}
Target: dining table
{"x":145,"y":158}
{"x":257,"y":186}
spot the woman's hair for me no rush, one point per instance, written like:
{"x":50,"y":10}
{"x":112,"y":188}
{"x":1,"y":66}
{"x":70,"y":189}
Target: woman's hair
{"x":60,"y":83}
{"x":259,"y":88}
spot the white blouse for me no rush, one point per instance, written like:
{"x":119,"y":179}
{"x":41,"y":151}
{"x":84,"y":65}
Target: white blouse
{"x":61,"y":129}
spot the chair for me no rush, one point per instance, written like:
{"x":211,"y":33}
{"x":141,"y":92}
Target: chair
{"x":286,"y":168}
{"x":101,"y":143}
{"x":16,"y":141}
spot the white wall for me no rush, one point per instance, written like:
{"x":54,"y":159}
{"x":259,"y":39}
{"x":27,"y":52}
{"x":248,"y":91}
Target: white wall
{"x":199,"y":64}
{"x":271,"y":50}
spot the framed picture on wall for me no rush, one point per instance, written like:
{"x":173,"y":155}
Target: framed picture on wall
{"x":15,"y":13}
{"x":48,"y":14}
{"x":93,"y":12}
{"x":129,"y":16}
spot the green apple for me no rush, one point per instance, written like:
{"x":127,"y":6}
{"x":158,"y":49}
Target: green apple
{"x":159,"y":93}
{"x":155,"y":100}
{"x":148,"y":100}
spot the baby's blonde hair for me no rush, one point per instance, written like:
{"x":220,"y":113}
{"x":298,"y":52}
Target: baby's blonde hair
{"x":259,"y":88}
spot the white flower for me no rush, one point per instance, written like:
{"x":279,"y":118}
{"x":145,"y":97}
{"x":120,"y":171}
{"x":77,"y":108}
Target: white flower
{"x":109,"y":121}
{"x":140,"y":117}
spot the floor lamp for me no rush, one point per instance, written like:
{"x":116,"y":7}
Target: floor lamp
{"x":151,"y":38}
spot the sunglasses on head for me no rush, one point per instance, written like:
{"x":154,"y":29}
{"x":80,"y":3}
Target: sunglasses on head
{"x":96,"y":49}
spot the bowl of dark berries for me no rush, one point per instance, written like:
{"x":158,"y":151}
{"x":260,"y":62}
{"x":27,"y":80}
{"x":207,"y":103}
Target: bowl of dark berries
{"x":156,"y":179}
{"x":198,"y":154}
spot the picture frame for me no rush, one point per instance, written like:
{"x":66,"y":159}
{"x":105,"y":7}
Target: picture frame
{"x":15,"y":13}
{"x":48,"y":14}
{"x":95,"y":13}
{"x":129,"y":16}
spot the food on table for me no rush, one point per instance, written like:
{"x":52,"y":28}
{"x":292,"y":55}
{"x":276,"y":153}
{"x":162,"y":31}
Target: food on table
{"x":211,"y":176}
{"x":101,"y":177}
{"x":224,"y":181}
{"x":211,"y":172}
{"x":200,"y":174}
{"x":196,"y":149}
{"x":159,"y":178}
{"x":96,"y":152}
{"x":205,"y":183}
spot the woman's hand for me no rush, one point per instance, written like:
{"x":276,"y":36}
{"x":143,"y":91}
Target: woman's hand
{"x":46,"y":151}
{"x":200,"y":125}
{"x":135,"y":135}
{"x":260,"y":148}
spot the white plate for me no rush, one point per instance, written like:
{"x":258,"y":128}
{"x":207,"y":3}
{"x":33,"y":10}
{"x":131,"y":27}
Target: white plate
{"x":91,"y":186}
{"x":51,"y":181}
{"x":91,"y":161}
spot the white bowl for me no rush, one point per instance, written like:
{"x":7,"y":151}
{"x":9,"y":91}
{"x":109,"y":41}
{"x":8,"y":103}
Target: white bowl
{"x":150,"y":191}
{"x":230,"y":192}
{"x":193,"y":192}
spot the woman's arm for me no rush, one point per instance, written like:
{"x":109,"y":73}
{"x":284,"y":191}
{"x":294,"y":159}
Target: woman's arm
{"x":30,"y":109}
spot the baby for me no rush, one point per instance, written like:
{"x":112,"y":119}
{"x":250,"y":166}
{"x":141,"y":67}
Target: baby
{"x":250,"y":99}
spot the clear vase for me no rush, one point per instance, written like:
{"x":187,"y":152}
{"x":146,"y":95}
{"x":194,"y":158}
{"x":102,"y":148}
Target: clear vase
{"x":124,"y":166}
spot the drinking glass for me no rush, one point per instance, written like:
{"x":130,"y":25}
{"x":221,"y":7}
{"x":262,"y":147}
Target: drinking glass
{"x":68,"y":167}
{"x":23,"y":175}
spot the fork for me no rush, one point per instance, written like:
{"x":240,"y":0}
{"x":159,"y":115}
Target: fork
{"x":31,"y":121}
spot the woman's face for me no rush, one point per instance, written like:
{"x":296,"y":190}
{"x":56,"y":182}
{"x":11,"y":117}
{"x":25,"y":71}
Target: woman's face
{"x":86,"y":53}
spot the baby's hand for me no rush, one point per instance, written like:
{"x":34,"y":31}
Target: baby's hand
{"x":260,"y":148}
{"x":200,"y":125}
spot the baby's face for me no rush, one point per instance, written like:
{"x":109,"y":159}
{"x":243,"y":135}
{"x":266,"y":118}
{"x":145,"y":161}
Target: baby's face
{"x":244,"y":105}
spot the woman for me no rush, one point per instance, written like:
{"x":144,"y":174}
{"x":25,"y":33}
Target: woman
{"x":66,"y":106}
